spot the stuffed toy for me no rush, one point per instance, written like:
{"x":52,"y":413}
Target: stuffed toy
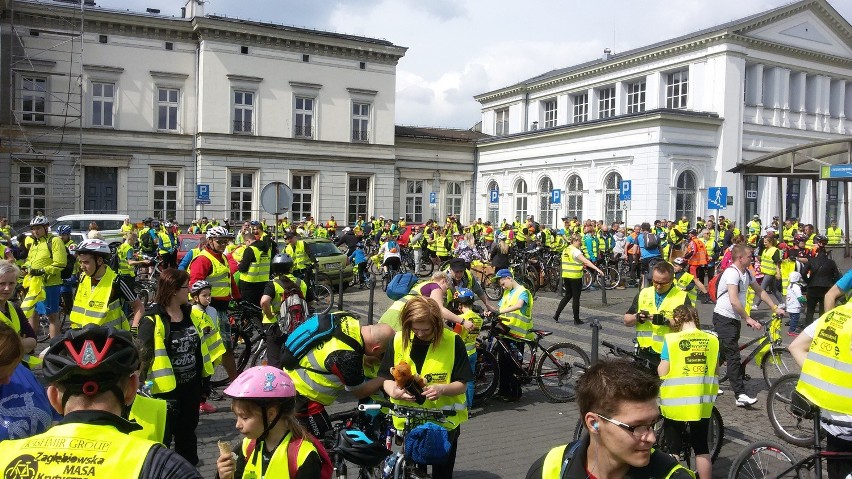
{"x":404,"y":377}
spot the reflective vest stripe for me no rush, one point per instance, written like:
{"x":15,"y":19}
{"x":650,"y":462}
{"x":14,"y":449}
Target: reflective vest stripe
{"x":258,"y":271}
{"x":682,"y":381}
{"x":688,"y":401}
{"x":689,"y":389}
{"x":835,"y":235}
{"x":831,"y":363}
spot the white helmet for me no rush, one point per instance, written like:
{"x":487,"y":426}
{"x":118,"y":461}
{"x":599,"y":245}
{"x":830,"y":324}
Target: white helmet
{"x":95,"y":247}
{"x":39,"y":221}
{"x":218,"y":232}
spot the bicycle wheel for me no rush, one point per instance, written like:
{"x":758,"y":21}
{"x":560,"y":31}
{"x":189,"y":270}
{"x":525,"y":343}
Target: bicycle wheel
{"x":553,"y":278}
{"x":323,"y":278}
{"x":764,"y":459}
{"x":43,"y":333}
{"x":493,"y":291}
{"x":486,"y":376}
{"x":323,"y":299}
{"x":587,"y":279}
{"x":716,"y":434}
{"x":788,"y":422}
{"x":611,"y":278}
{"x":777,"y":363}
{"x":242,"y":350}
{"x":531,"y":283}
{"x":259,"y":356}
{"x":556,"y":373}
{"x":426,"y":266}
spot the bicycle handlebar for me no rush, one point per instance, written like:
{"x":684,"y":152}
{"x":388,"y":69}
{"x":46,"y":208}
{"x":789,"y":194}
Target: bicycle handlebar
{"x":408,"y":411}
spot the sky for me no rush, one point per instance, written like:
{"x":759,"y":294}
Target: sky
{"x":461,"y":48}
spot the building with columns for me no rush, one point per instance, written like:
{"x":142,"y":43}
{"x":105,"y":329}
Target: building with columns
{"x":673,"y":118}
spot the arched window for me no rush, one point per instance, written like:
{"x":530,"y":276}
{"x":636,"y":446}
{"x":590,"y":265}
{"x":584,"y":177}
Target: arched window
{"x":545,"y":214}
{"x":685,"y":197}
{"x":493,"y":208}
{"x":521,"y":200}
{"x":454,"y":199}
{"x":573,"y":197}
{"x":612,"y":206}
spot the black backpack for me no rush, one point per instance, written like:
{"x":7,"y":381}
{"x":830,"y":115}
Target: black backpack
{"x":315,"y":330}
{"x":68,"y":270}
{"x":651,"y":241}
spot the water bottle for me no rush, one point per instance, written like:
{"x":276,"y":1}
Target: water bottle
{"x":390,"y":462}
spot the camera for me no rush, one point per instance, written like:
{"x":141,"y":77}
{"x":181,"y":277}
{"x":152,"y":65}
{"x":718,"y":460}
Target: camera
{"x":659,"y":320}
{"x":642,"y":316}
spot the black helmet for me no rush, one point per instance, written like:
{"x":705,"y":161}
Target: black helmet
{"x":91,"y":360}
{"x":821,"y":239}
{"x":359,"y":449}
{"x":281,"y":264}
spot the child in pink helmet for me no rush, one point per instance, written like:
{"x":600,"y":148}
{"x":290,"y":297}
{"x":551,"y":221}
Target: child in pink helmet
{"x":264,"y":399}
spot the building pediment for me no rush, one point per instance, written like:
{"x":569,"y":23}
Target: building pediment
{"x":806,"y":30}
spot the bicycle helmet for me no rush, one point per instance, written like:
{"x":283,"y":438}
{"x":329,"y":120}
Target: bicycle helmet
{"x":680,"y":261}
{"x":821,"y":239}
{"x":464,"y":296}
{"x":91,"y":360}
{"x":167,"y":224}
{"x":218,"y":232}
{"x":798,"y":237}
{"x":63,"y":230}
{"x":262,"y":383}
{"x":39,"y":221}
{"x":94,"y":247}
{"x":155,"y":223}
{"x":281,"y":264}
{"x":359,"y":449}
{"x":198,"y":286}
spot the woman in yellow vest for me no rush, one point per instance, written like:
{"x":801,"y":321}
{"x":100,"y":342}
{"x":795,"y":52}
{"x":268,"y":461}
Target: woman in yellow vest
{"x":573,"y":261}
{"x":12,"y":315}
{"x":515,"y":311}
{"x":264,"y":400}
{"x":176,"y":357}
{"x":438,"y":355}
{"x":688,"y":367}
{"x":770,"y":266}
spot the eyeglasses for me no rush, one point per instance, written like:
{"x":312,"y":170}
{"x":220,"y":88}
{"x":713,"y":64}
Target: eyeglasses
{"x":662,"y":283}
{"x":221,"y":241}
{"x":638,"y":431}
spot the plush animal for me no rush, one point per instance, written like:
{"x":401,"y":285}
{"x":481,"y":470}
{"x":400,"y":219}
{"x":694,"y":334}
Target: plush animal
{"x":404,"y":377}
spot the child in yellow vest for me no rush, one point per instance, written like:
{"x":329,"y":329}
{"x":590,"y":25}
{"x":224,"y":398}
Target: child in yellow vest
{"x":464,"y":298}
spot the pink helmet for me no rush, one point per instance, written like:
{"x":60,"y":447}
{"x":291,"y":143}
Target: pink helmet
{"x":262,"y":383}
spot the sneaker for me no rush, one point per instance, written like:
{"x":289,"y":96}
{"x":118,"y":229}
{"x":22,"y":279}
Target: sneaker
{"x":792,"y":334}
{"x":720,"y":393}
{"x":744,"y":400}
{"x":206,"y":408}
{"x":755,"y":307}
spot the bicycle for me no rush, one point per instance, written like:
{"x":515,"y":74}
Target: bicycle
{"x":554,"y":370}
{"x":769,"y":459}
{"x":769,"y":354}
{"x":786,"y":419}
{"x":247,"y":339}
{"x":359,"y":425}
{"x":320,"y":285}
{"x":489,"y":283}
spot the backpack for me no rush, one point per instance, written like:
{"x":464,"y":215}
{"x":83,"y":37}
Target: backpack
{"x":400,"y":285}
{"x":68,"y":270}
{"x":317,"y":329}
{"x":293,"y":456}
{"x":293,"y":312}
{"x":713,"y":285}
{"x":651,"y":241}
{"x":146,"y":241}
{"x":114,"y":260}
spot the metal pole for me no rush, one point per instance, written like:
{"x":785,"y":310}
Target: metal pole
{"x":370,"y":304}
{"x":602,"y":284}
{"x":340,"y":288}
{"x":596,"y":329}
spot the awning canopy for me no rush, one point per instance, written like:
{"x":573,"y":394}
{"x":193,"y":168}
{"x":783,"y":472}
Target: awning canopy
{"x":802,"y":161}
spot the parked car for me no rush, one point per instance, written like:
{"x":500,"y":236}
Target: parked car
{"x":108,"y":224}
{"x":187,"y":242}
{"x":330,"y":258}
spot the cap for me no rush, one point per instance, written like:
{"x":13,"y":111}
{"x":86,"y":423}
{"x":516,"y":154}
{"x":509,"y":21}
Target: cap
{"x":503,"y":273}
{"x":795,"y":277}
{"x":771,"y":230}
{"x":457,"y":264}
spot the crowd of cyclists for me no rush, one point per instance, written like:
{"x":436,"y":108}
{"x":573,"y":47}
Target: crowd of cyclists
{"x":108,"y":343}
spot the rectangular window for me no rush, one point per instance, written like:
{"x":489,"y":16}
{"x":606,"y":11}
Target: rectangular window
{"x":677,"y":84}
{"x":32,"y":190}
{"x":167,"y":108}
{"x":360,"y":121}
{"x":606,"y":102}
{"x":242,"y":195}
{"x":501,"y":122}
{"x":549,"y":113}
{"x":243,"y":111}
{"x":304,"y":118}
{"x":165,"y":193}
{"x":414,"y":201}
{"x":33,"y":99}
{"x":303,"y":194}
{"x":359,"y":193}
{"x":454,"y":199}
{"x":103,"y":99}
{"x":832,"y":201}
{"x":636,"y":97}
{"x":581,"y":107}
{"x":794,"y":188}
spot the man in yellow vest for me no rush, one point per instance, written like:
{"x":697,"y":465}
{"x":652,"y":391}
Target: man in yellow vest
{"x":302,"y":261}
{"x":254,"y":268}
{"x":5,"y":230}
{"x":824,"y":351}
{"x":46,"y":259}
{"x":337,"y":364}
{"x":102,"y":294}
{"x":834,"y":234}
{"x":93,"y":376}
{"x":652,"y":310}
{"x":618,"y":408}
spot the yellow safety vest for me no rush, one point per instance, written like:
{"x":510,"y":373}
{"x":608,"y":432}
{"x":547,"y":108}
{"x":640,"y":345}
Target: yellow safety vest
{"x":441,"y":246}
{"x":520,"y":321}
{"x":489,"y":234}
{"x":552,"y":466}
{"x":88,"y":451}
{"x":594,"y":252}
{"x":209,"y":330}
{"x":150,"y":413}
{"x":40,"y":257}
{"x":827,"y":371}
{"x":319,"y":387}
{"x":166,"y":238}
{"x":391,"y":316}
{"x":519,"y":234}
{"x":124,"y":267}
{"x":301,"y":260}
{"x":689,"y":389}
{"x":14,"y":322}
{"x":160,"y":371}
{"x":767,"y":265}
{"x":787,"y":233}
{"x":220,"y":276}
{"x":787,"y":267}
{"x":92,"y":305}
{"x":258,"y":271}
{"x":279,"y":295}
{"x":835,"y":235}
{"x":809,"y":244}
{"x":279,"y":465}
{"x":469,"y":337}
{"x":683,"y":283}
{"x":437,"y":369}
{"x":649,"y":335}
{"x":571,"y":268}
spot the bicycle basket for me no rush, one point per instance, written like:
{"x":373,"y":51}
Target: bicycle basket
{"x":428,"y":443}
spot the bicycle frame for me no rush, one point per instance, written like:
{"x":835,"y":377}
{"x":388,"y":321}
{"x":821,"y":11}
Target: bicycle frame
{"x":762,"y":341}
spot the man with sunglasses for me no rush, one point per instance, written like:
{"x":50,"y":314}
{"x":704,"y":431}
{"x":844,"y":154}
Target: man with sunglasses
{"x":618,"y":407}
{"x":652,"y":309}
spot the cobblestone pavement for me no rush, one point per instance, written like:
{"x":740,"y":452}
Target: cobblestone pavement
{"x":502,"y":440}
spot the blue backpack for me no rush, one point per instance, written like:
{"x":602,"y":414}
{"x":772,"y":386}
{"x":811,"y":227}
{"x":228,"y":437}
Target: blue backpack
{"x":400,"y":285}
{"x":315,"y":330}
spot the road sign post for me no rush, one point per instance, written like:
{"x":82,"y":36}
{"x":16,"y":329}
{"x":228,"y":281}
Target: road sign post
{"x":433,"y":199}
{"x":717,"y":199}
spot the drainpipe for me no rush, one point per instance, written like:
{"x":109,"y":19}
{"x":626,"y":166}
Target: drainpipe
{"x":472,"y":202}
{"x":197,"y":126}
{"x":526,"y":111}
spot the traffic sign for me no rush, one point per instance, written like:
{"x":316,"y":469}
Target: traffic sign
{"x":276,"y":198}
{"x":556,"y":197}
{"x":433,"y":198}
{"x":751,"y":194}
{"x":202,"y":194}
{"x":626,"y":190}
{"x":717,"y":198}
{"x":494,"y":196}
{"x":625,"y":205}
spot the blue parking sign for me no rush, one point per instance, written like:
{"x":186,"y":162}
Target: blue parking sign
{"x":556,"y":197}
{"x":202,"y":194}
{"x":433,"y":198}
{"x":494,"y":196}
{"x":625,"y":192}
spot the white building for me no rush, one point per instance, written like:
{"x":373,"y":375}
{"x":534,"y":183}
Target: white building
{"x":130,"y":112}
{"x":673,"y":118}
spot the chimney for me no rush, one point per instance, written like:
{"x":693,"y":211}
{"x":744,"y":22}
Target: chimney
{"x":194,"y":8}
{"x":182,"y":12}
{"x":607,"y":54}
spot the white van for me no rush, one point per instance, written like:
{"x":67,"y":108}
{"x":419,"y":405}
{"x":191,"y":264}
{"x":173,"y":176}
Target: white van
{"x":109,"y":225}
